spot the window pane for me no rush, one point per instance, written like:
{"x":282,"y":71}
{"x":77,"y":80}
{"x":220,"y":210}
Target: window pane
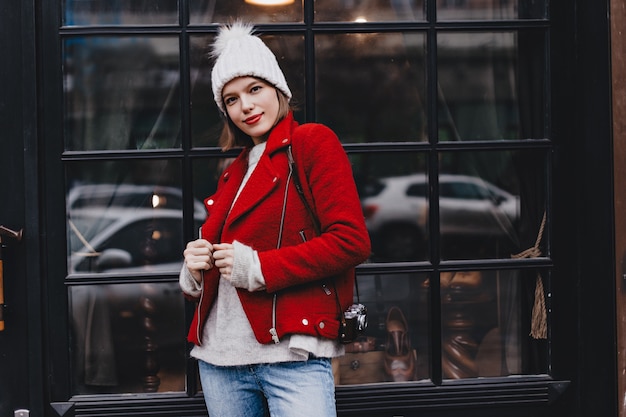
{"x":127,"y":338}
{"x":393,"y":191}
{"x":223,"y":11}
{"x":490,"y":9}
{"x":126,"y":217}
{"x":121,"y":93}
{"x":485,"y":325}
{"x":395,"y":346}
{"x":206,"y":123}
{"x":491,"y":86}
{"x":490,"y":204}
{"x":125,"y":12}
{"x":368,"y":11}
{"x":370,"y":87}
{"x":481,"y":201}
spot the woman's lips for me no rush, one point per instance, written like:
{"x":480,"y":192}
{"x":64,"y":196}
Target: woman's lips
{"x":252,"y":119}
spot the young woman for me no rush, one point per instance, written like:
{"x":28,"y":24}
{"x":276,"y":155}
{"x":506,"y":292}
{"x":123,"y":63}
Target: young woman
{"x":267,"y":286}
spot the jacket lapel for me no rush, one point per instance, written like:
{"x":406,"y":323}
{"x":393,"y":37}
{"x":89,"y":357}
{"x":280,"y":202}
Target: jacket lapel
{"x":261,"y":183}
{"x":266,"y":177}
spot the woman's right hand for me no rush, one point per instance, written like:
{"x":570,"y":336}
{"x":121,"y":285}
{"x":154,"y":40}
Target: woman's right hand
{"x":198,"y":257}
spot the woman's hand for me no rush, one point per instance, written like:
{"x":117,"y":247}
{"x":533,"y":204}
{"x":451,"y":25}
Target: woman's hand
{"x":224,"y":256}
{"x":199,"y":257}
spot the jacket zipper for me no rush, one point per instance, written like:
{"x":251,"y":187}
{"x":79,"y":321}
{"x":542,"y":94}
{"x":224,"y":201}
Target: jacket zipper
{"x":273,"y":331}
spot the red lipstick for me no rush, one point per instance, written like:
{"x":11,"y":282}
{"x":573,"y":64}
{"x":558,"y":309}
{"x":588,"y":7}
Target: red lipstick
{"x":252,"y":119}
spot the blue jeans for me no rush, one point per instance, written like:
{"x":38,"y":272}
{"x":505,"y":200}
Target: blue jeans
{"x":286,"y":389}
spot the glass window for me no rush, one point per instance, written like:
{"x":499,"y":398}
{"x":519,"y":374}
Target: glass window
{"x":490,"y":86}
{"x":483,"y":325}
{"x":443,"y":125}
{"x":126,"y":217}
{"x":397,"y":222}
{"x":361,"y":11}
{"x":120,"y":12}
{"x":258,"y":11}
{"x":490,"y":9}
{"x":370,"y":87}
{"x":481,"y":196}
{"x":127,"y":338}
{"x":121,"y":93}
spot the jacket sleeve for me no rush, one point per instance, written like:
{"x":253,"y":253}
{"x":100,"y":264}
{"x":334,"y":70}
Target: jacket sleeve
{"x":326,"y":175}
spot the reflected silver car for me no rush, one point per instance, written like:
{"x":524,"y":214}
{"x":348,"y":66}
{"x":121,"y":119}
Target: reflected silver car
{"x":119,"y":327}
{"x":396,"y":211}
{"x":126,"y":228}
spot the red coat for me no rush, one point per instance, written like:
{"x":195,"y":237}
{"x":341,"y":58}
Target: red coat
{"x":297,"y":273}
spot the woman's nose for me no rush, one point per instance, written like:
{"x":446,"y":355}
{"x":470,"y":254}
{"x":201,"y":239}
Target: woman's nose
{"x":246,"y":103}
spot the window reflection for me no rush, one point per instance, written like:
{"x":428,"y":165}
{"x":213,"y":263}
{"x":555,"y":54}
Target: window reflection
{"x":121,"y":93}
{"x":395,"y":346}
{"x":371,"y":87}
{"x":368,"y":10}
{"x":481,"y":93}
{"x":223,"y":11}
{"x":480,"y":200}
{"x":395,"y":223}
{"x":127,"y":338}
{"x":490,"y":9}
{"x":132,"y":225}
{"x":119,"y":12}
{"x":483,"y":323}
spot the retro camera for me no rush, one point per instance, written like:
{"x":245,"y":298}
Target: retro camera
{"x":354,"y":323}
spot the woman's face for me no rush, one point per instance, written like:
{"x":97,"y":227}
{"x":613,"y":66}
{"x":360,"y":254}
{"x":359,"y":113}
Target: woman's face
{"x":252,"y":105}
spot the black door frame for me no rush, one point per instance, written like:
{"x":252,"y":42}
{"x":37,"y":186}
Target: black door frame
{"x":21,"y":347}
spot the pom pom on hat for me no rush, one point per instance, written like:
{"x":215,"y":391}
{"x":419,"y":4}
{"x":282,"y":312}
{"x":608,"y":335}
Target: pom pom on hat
{"x":239,"y":53}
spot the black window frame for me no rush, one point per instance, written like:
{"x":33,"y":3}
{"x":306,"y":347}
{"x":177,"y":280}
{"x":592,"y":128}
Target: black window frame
{"x":534,"y":390}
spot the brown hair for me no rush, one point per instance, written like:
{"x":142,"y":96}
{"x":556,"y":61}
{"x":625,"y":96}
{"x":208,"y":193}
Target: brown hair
{"x":233,"y":137}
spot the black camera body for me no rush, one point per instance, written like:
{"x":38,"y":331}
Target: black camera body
{"x":353,"y":324}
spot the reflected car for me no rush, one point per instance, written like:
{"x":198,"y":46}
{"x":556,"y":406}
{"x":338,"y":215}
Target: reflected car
{"x":118,"y":328}
{"x":127,"y":196}
{"x":126,"y":228}
{"x":396,"y":211}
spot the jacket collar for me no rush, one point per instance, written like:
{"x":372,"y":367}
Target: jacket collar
{"x":263,"y":179}
{"x":281,"y":134}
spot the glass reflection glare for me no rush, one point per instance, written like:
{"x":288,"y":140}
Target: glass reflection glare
{"x":270,"y":2}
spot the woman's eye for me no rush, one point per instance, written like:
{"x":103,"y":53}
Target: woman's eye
{"x":255,"y":88}
{"x":229,"y":100}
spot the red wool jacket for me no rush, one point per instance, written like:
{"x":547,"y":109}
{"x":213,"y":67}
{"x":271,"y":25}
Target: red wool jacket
{"x":299,"y":296}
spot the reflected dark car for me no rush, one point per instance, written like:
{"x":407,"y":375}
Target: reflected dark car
{"x":396,"y":211}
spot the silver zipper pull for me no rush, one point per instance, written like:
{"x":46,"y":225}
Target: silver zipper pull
{"x":274,"y":335}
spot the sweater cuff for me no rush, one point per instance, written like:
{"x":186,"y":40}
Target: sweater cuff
{"x":188,"y":284}
{"x":246,"y":268}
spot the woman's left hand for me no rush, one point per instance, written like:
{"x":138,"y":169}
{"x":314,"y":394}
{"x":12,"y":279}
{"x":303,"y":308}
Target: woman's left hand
{"x":224,"y":256}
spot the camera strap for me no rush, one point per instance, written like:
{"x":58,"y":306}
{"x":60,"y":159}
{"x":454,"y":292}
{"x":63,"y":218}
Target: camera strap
{"x":318,"y":231}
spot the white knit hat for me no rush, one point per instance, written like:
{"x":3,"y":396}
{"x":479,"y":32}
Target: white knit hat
{"x":238,"y":53}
